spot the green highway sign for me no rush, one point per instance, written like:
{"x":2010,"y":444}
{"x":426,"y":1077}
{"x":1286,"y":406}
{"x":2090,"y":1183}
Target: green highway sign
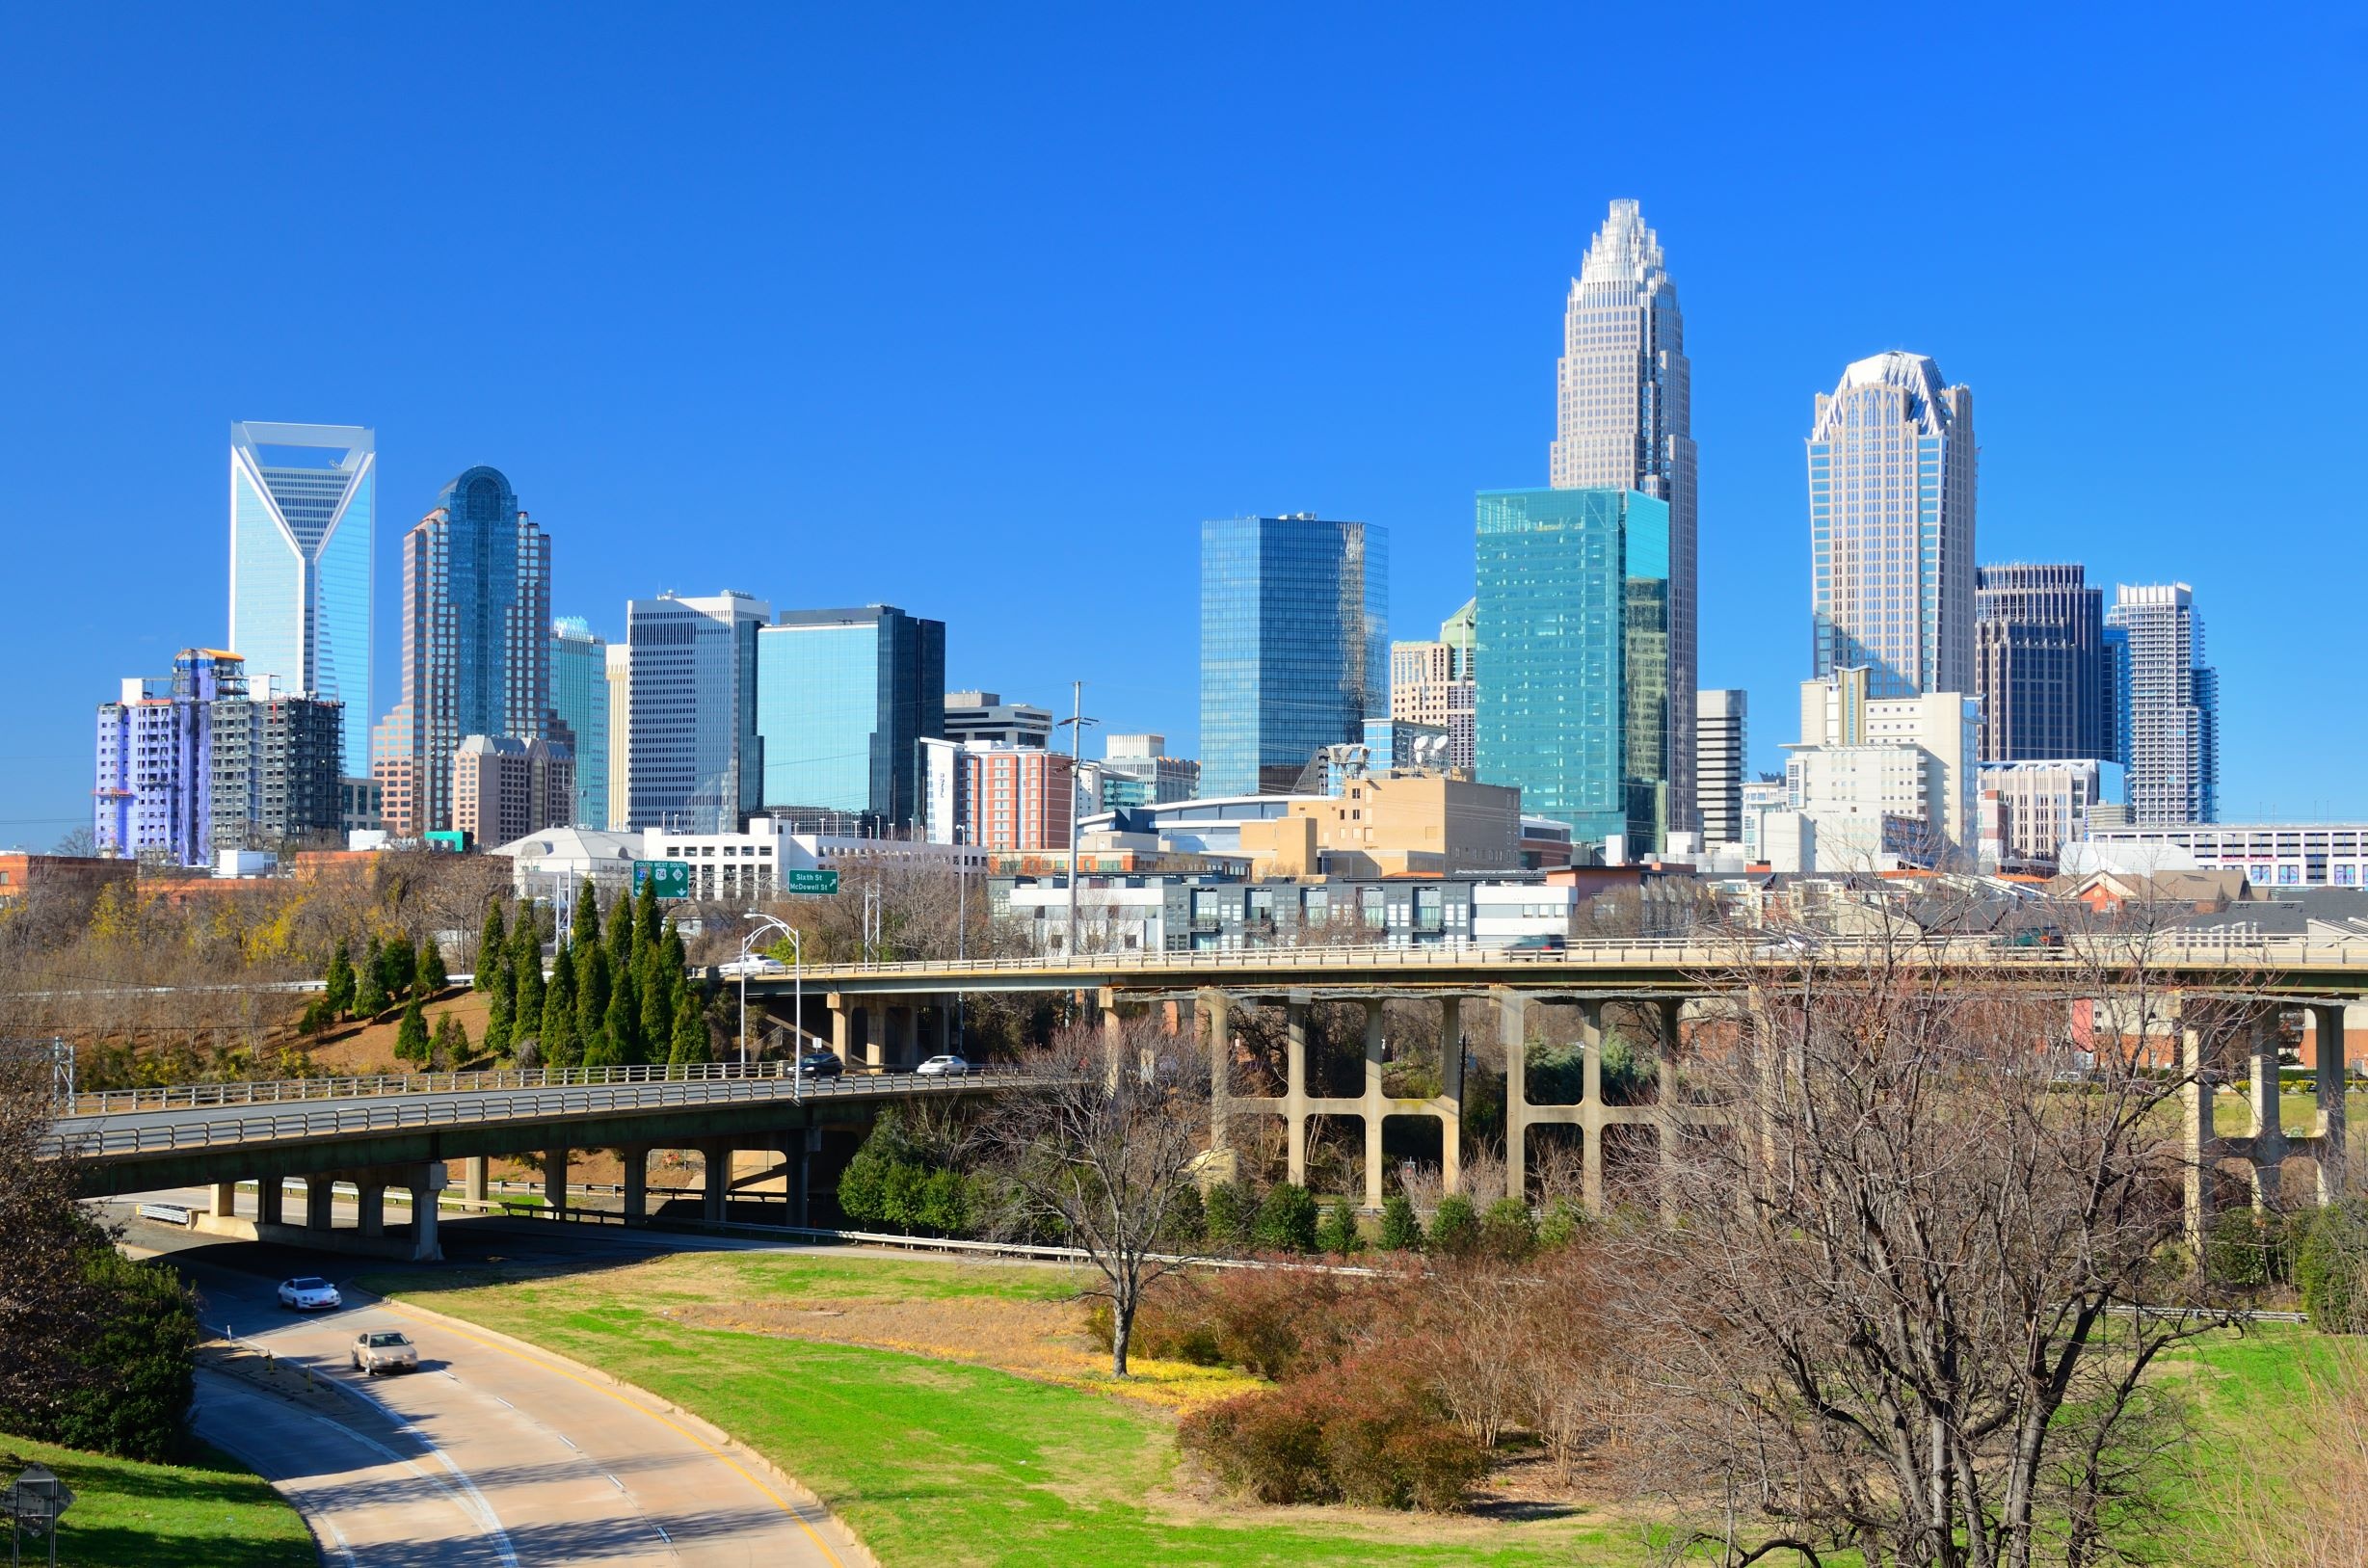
{"x":673,"y":877}
{"x":812,"y":882}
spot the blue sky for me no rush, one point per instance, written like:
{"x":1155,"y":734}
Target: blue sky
{"x":981,"y":312}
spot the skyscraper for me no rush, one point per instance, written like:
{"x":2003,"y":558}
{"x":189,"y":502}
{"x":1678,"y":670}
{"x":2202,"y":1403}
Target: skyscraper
{"x":1624,"y":421}
{"x":1432,"y":683}
{"x":696,"y":763}
{"x":1890,"y":527}
{"x":843,"y":698}
{"x":2039,"y":665}
{"x":1719,"y":739}
{"x":1295,"y":645}
{"x":620,"y":736}
{"x":1573,"y":639}
{"x":303,"y":525}
{"x":476,"y":641}
{"x":579,"y":710}
{"x":2169,"y":701}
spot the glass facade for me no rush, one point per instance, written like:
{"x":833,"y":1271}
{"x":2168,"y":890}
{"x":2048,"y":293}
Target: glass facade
{"x":694,"y":756}
{"x":580,"y":703}
{"x":1574,"y":634}
{"x":1294,"y":646}
{"x":303,"y":523}
{"x":843,"y":699}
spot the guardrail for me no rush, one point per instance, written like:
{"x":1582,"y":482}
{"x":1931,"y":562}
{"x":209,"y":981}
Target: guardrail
{"x":392,"y":1113}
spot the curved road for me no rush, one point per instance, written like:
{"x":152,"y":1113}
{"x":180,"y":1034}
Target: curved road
{"x":489,"y":1455}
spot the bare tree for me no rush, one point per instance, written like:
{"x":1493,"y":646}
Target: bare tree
{"x":1905,"y":1304}
{"x":1103,"y":1153}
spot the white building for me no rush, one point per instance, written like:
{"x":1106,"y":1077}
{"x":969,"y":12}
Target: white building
{"x":1136,"y":770}
{"x":1886,"y":782}
{"x":1719,"y":740}
{"x":2169,"y":704}
{"x":620,"y":733}
{"x":2030,"y":811}
{"x":2270,"y":854}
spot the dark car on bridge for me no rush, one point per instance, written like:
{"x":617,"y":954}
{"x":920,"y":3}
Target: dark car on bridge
{"x":821,"y":1064}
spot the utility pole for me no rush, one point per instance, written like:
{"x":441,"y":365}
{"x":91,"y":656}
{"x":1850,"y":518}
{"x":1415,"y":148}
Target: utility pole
{"x":1076,"y":723}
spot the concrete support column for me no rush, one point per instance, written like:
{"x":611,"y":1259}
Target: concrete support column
{"x":875,"y":1034}
{"x":1217,"y":1013}
{"x":267,"y":1204}
{"x":370,"y":1203}
{"x":2195,"y":1123}
{"x":1374,"y":1111}
{"x":636,"y":1182}
{"x":476,"y":1185}
{"x":797,"y":1157}
{"x":2326,"y":1022}
{"x":225,"y":1200}
{"x":320,"y":1197}
{"x":842,"y":1028}
{"x":1513,"y":1035}
{"x":555,"y":1179}
{"x":1665,"y":1098}
{"x":1294,"y":1077}
{"x":425,"y":1248}
{"x":1451,"y":1092}
{"x":717,"y":1173}
{"x":1591,"y":1102}
{"x":2261,"y":1091}
{"x":945,"y":1032}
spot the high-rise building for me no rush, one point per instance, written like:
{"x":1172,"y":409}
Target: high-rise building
{"x":984,"y":718}
{"x":1575,"y":702}
{"x":2039,"y":665}
{"x":1719,"y":730}
{"x":504,"y":789}
{"x":1887,"y":782}
{"x":843,"y":698}
{"x":695,"y":761}
{"x":1015,"y":797}
{"x":2030,"y":809}
{"x":304,"y":510}
{"x":1295,"y":645}
{"x":1890,"y":527}
{"x":620,"y":735}
{"x":2167,"y":723}
{"x":476,"y":642}
{"x":579,"y":710}
{"x":1624,"y":421}
{"x":1137,"y":771}
{"x":1433,"y":684}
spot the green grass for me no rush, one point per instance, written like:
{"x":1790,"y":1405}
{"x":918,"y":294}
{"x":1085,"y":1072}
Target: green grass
{"x":937,"y":1462}
{"x":212,"y":1514}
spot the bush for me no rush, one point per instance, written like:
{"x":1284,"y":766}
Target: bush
{"x":2249,"y":1251}
{"x":1272,"y":1323}
{"x":318,"y":1017}
{"x":1401,"y":1229}
{"x":2331,"y":1266}
{"x":1561,"y":1225}
{"x":1286,"y":1220}
{"x":1227,"y":1216}
{"x":1368,"y":1436}
{"x":1508,"y":1231}
{"x":1188,"y":1223}
{"x":1455,"y":1229}
{"x":1337,"y":1235}
{"x":140,"y":1354}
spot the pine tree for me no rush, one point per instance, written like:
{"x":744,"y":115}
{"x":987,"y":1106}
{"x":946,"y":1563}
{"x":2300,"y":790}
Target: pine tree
{"x":396,"y":968}
{"x":657,"y":999}
{"x":369,"y":992}
{"x":560,"y":1048}
{"x":451,"y":1041}
{"x":624,"y":1020}
{"x":646,"y":918}
{"x":621,"y":953}
{"x":412,"y":1034}
{"x":339,"y":979}
{"x":587,"y":932}
{"x":677,"y":961}
{"x":527,"y":964}
{"x":501,"y":1016}
{"x":591,"y":985}
{"x":490,"y":943}
{"x":691,"y":1043}
{"x":427,"y":971}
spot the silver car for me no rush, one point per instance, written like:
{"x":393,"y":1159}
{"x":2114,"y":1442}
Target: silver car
{"x":943,"y":1067}
{"x":385,"y":1350}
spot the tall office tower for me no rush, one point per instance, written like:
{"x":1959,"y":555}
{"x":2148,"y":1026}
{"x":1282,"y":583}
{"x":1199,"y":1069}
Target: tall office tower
{"x":2169,"y":701}
{"x":2039,"y":665}
{"x":504,"y":789}
{"x":1624,"y":421}
{"x":1295,"y":645}
{"x":843,"y":699}
{"x":1573,"y":633}
{"x":579,"y":712}
{"x":696,"y":764}
{"x":1432,"y":683}
{"x":983,"y":718}
{"x":476,"y":641}
{"x":1719,"y":738}
{"x":303,"y":511}
{"x":620,"y":736}
{"x":1890,"y":527}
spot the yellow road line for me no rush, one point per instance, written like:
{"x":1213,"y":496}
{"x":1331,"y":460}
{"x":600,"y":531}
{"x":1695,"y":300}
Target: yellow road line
{"x":445,"y":1321}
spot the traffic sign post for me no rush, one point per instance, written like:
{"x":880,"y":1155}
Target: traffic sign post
{"x":673,"y":877}
{"x":36,"y":1500}
{"x":812,"y":882}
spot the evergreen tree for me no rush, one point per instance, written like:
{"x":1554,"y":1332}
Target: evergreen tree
{"x":600,"y":1050}
{"x":427,"y":971}
{"x":369,"y":992}
{"x":658,"y":998}
{"x":394,"y":968}
{"x":501,"y":1016}
{"x":340,"y":979}
{"x":676,"y":960}
{"x":1286,"y":1220}
{"x":412,"y":1034}
{"x":560,"y":1046}
{"x":621,"y":953}
{"x":1228,"y":1213}
{"x":527,"y":964}
{"x":587,"y":932}
{"x":1402,"y":1228}
{"x":624,"y":1020}
{"x":490,"y":944}
{"x":691,"y":1044}
{"x":451,"y":1041}
{"x":1338,"y":1233}
{"x":1455,"y":1227}
{"x":646,"y":918}
{"x":592,"y":1048}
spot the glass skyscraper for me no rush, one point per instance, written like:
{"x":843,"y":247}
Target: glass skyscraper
{"x":1891,"y":528}
{"x":1295,"y":645}
{"x":1624,"y":420}
{"x":693,"y":757}
{"x":843,"y":700}
{"x":1577,"y":665}
{"x":579,"y":710}
{"x":2040,"y":666}
{"x":2169,"y":701}
{"x":302,"y":524}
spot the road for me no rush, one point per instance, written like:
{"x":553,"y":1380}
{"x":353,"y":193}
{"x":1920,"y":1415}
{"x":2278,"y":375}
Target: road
{"x":488,"y":1455}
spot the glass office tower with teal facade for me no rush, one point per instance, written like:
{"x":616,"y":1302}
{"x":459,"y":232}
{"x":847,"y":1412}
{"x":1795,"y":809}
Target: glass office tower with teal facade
{"x":579,"y":707}
{"x":1294,"y":646}
{"x":303,"y":520}
{"x":1574,"y":653}
{"x":843,"y":700}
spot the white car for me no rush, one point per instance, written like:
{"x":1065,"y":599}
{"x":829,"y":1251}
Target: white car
{"x":752,"y":967}
{"x":943,"y":1067}
{"x":309,"y":1293}
{"x":385,"y":1350}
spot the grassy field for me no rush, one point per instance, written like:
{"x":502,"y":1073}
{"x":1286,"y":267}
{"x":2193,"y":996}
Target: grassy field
{"x":214,"y":1514}
{"x":942,"y":1452}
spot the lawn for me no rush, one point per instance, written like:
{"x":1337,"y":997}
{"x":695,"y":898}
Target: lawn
{"x":211,"y":1514}
{"x":937,"y":1456}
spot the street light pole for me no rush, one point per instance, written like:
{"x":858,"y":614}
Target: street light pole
{"x":798,"y":949}
{"x":1076,"y":723}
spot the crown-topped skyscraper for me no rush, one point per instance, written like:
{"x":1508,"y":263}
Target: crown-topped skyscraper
{"x":1623,"y":422}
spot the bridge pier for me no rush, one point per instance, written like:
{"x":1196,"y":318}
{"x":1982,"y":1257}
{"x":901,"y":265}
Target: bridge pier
{"x":225,"y":1201}
{"x":555,"y":1179}
{"x":371,"y":1206}
{"x":269,"y":1192}
{"x":426,"y":1183}
{"x":2269,"y":1140}
{"x":1216,"y":1017}
{"x":1294,"y":1091}
{"x":715,"y":1174}
{"x":476,"y":1185}
{"x":1374,"y":1114}
{"x":2327,"y":1024}
{"x":636,"y":1202}
{"x":1450,"y":1110}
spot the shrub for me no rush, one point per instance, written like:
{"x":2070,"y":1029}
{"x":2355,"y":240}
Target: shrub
{"x":1561,"y":1225}
{"x":318,"y":1015}
{"x":1508,"y":1231}
{"x":1286,"y":1220}
{"x":1367,"y":1436}
{"x":1456,"y":1228}
{"x":1227,"y":1215}
{"x":2249,"y":1251}
{"x":1401,"y":1229}
{"x":1337,"y":1235}
{"x":412,"y":1034}
{"x":1188,"y":1223}
{"x":2330,"y":1268}
{"x":141,"y":1351}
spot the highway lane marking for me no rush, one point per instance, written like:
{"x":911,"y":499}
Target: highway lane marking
{"x":780,"y":1502}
